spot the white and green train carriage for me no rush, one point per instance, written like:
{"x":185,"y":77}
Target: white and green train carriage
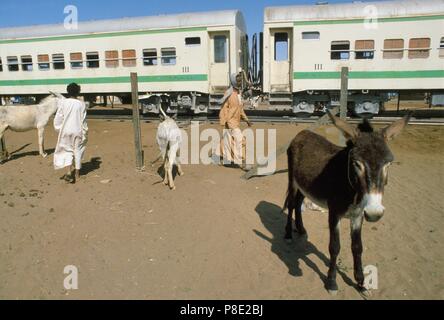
{"x":183,"y":60}
{"x":388,"y":46}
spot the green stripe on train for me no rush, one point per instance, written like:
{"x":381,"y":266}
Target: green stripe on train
{"x":103,"y":35}
{"x":105,"y":80}
{"x":346,"y":21}
{"x":370,"y":74}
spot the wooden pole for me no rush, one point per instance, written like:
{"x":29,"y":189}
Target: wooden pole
{"x":136,"y":122}
{"x":2,"y":148}
{"x":343,"y":99}
{"x":399,"y":101}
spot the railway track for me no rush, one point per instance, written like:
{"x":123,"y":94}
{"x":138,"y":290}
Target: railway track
{"x":266,"y":118}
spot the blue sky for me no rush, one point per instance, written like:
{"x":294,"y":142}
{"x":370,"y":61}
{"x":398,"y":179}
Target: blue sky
{"x":31,"y":12}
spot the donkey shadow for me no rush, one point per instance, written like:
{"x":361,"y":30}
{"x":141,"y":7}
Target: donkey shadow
{"x":161,"y":172}
{"x":15,"y":155}
{"x":274,"y":220}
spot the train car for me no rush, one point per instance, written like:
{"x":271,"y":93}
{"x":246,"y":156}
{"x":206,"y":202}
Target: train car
{"x":389,"y":46}
{"x":182,"y":60}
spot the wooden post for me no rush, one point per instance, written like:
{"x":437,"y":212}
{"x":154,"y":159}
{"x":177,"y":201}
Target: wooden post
{"x":2,"y":148}
{"x":343,"y":99}
{"x":399,"y":101}
{"x":136,"y":121}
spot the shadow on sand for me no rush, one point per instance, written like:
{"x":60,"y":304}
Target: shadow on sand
{"x":90,"y":166}
{"x":14,"y":155}
{"x":274,"y":220}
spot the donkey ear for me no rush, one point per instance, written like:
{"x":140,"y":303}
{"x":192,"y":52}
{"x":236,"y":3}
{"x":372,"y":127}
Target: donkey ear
{"x":55,"y":94}
{"x":349,"y":131}
{"x":396,"y":127}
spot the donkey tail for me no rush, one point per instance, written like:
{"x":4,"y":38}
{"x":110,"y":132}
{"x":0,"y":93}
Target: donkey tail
{"x":163,"y":113}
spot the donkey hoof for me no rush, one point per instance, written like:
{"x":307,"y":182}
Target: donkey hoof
{"x":331,"y":286}
{"x":332,"y":292}
{"x":165,"y":182}
{"x":366,"y":294}
{"x":44,"y":155}
{"x":173,"y":188}
{"x":181,"y":173}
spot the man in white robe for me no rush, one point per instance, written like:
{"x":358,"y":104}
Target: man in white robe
{"x":70,"y":122}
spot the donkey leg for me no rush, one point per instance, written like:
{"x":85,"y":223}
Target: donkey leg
{"x":165,"y":172}
{"x":290,"y":205}
{"x":170,"y":177}
{"x":4,"y":154}
{"x":298,"y":199}
{"x":356,"y":246}
{"x":179,"y":168}
{"x":169,"y":172}
{"x":334,"y":248}
{"x":40,"y":132}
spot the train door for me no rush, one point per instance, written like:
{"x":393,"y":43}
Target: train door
{"x":219,"y":61}
{"x":280,"y":60}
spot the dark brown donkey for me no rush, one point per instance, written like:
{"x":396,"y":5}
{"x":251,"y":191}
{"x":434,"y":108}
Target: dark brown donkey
{"x":349,"y":181}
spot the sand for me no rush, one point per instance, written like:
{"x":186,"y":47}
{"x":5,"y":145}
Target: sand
{"x":215,"y":237}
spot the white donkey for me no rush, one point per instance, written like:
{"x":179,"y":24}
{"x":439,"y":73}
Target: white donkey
{"x":169,"y":139}
{"x":21,"y":118}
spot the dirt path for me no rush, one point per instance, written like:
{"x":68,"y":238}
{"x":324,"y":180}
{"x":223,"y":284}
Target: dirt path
{"x":215,"y":237}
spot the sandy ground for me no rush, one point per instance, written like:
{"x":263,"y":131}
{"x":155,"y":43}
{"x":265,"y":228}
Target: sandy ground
{"x":215,"y":237}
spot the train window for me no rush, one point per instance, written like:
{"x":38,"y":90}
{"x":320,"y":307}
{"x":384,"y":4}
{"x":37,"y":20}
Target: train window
{"x":92,"y":60}
{"x":168,"y":56}
{"x":393,"y":49}
{"x":220,"y":49}
{"x":13,"y":63}
{"x":112,"y":59}
{"x":340,"y":50}
{"x":419,"y":48}
{"x":58,"y":61}
{"x":43,"y":62}
{"x":26,"y":63}
{"x":1,"y":65}
{"x":150,"y":57}
{"x":441,"y":49}
{"x":364,"y":49}
{"x":76,"y":60}
{"x":281,"y":46}
{"x":193,"y":41}
{"x":311,"y":35}
{"x":129,"y":58}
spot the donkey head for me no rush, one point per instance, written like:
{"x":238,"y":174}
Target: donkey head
{"x":50,"y":103}
{"x":368,"y":161}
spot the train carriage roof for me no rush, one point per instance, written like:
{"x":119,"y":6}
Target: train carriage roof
{"x":184,"y":20}
{"x":356,"y":9}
